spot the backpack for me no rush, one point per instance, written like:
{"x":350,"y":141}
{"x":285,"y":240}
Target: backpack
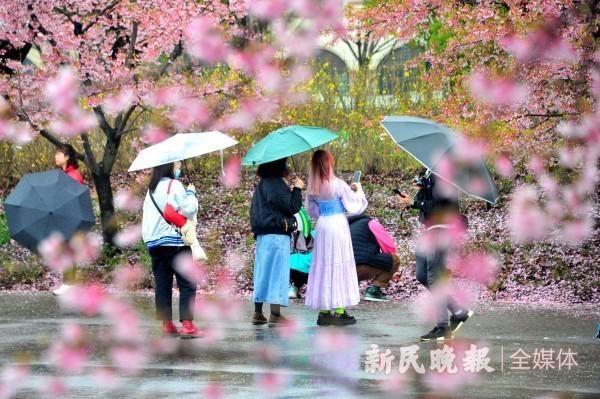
{"x":383,"y":237}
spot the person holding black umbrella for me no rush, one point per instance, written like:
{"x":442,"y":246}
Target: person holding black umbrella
{"x":436,"y":211}
{"x":65,"y":158}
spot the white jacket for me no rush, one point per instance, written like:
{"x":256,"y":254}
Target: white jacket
{"x":155,"y":230}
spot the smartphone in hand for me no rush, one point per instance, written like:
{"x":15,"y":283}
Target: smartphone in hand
{"x":356,"y":177}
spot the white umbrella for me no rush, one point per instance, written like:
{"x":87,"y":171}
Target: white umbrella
{"x":179,"y":147}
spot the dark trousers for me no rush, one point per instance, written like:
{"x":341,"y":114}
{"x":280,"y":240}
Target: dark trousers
{"x":163,"y":268}
{"x":298,"y":278}
{"x":379,"y":278}
{"x":430,"y":269}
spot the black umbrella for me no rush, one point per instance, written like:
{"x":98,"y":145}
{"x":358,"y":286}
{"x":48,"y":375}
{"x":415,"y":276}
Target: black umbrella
{"x":45,"y":202}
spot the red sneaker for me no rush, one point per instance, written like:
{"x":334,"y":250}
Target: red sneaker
{"x":189,"y":330}
{"x":169,"y":328}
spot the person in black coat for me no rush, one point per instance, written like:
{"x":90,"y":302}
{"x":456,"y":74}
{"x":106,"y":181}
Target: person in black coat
{"x":436,"y":211}
{"x":371,"y":263}
{"x":272,"y":219}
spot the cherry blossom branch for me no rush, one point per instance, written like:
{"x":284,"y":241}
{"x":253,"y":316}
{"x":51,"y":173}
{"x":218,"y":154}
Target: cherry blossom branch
{"x":88,"y":152}
{"x":132,"y":40}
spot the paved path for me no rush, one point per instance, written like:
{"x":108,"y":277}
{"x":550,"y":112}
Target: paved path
{"x":29,"y":321}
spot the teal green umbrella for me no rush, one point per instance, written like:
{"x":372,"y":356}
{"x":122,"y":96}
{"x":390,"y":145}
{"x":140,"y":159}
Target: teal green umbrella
{"x":287,"y":141}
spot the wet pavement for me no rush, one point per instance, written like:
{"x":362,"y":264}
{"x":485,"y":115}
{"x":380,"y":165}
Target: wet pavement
{"x":243,"y":360}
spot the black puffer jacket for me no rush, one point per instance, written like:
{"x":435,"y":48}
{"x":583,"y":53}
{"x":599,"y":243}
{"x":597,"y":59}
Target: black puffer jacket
{"x":273,"y":207}
{"x":366,"y":249}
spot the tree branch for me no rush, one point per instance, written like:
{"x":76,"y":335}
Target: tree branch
{"x":132,"y":41}
{"x":88,"y":152}
{"x":125,"y":118}
{"x":101,"y":13}
{"x":177,"y":51}
{"x":104,"y":125}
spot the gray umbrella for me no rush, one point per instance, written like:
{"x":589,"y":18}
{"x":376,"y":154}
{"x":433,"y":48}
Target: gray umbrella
{"x":45,"y":202}
{"x":427,"y":141}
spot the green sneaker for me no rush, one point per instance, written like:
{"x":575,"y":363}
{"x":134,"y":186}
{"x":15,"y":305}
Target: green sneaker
{"x":375,"y":294}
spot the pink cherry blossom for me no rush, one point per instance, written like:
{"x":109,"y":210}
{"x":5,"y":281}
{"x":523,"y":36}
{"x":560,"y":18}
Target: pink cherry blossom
{"x":154,"y":135}
{"x":497,"y":91}
{"x":106,"y":377}
{"x":268,"y":9}
{"x":543,"y":43}
{"x":86,"y":299}
{"x":576,"y":232}
{"x":75,"y":123}
{"x":289,"y":329}
{"x":527,"y":220}
{"x":127,"y":277}
{"x":536,"y":165}
{"x":18,"y":133}
{"x":114,"y":105}
{"x":127,"y":201}
{"x":189,"y":112}
{"x":232,"y":170}
{"x":191,"y":269}
{"x":85,"y":247}
{"x":479,"y":267}
{"x":55,"y":253}
{"x":55,"y":387}
{"x":272,"y":382}
{"x":129,"y":359}
{"x":62,"y":91}
{"x":13,"y":377}
{"x":72,"y":333}
{"x":213,"y":391}
{"x":205,"y":40}
{"x":69,"y":358}
{"x":504,"y":166}
{"x":129,"y":236}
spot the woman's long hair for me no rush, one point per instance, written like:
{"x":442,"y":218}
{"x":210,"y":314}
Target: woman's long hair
{"x":69,"y":151}
{"x":321,"y":173}
{"x":277,"y":168}
{"x":158,"y":172}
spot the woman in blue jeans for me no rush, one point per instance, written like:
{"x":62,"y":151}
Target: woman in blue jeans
{"x":272,"y":211}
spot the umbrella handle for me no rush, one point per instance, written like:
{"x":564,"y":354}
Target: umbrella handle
{"x":187,"y":172}
{"x":294,"y":164}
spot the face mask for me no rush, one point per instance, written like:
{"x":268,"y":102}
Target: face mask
{"x":177,"y":173}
